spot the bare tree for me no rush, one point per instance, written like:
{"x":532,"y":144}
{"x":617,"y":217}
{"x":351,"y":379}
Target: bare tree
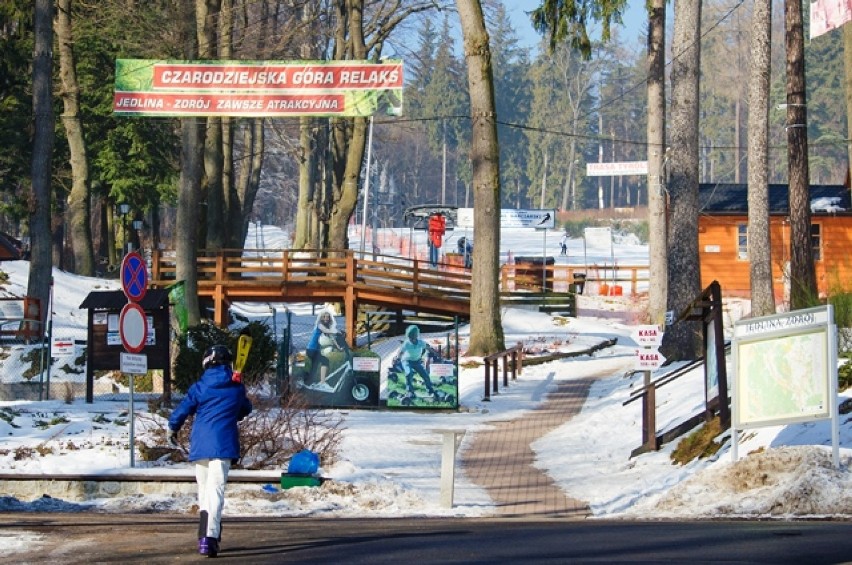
{"x":207,"y":13}
{"x":38,"y":285}
{"x":186,"y":228}
{"x":803,"y":289}
{"x":656,"y":135}
{"x":486,"y":329}
{"x":577,"y":77}
{"x":759,"y":245}
{"x":847,"y":83}
{"x":359,"y":34}
{"x":311,"y":135}
{"x":682,"y":341}
{"x":79,"y":198}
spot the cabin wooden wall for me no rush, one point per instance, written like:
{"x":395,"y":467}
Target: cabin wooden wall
{"x":717,"y":250}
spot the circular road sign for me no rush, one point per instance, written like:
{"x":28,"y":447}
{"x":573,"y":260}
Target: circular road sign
{"x":133,"y":327}
{"x":134,"y":276}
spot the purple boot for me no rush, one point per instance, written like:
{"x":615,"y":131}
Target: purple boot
{"x":208,"y":546}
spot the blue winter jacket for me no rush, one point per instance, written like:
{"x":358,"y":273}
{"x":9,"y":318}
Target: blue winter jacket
{"x":218,"y":404}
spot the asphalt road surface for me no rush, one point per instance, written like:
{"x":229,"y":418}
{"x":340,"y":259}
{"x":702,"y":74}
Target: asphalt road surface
{"x":165,"y":538}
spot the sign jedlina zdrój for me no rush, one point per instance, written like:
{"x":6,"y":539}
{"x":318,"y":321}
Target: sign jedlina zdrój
{"x":145,"y":87}
{"x":785,"y":371}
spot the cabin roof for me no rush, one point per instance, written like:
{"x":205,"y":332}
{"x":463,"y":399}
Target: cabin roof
{"x":732,"y":199}
{"x":154,"y":299}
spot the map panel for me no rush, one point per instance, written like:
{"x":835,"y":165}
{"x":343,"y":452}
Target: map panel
{"x":783,"y":379}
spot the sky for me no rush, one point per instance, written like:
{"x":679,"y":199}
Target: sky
{"x":783,"y":471}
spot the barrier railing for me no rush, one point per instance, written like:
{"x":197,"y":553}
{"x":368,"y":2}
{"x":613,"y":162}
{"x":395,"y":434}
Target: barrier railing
{"x":648,"y":393}
{"x":353,"y":278}
{"x":253,"y":266}
{"x":512,"y":358}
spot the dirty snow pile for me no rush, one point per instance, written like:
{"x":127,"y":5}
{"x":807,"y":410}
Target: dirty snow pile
{"x":785,"y":481}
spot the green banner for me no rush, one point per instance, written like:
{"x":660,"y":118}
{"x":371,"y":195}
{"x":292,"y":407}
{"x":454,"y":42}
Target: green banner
{"x":177,"y":298}
{"x":257,"y":88}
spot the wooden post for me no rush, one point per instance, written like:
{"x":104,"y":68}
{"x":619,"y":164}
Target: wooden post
{"x":350,"y":305}
{"x":450,"y":443}
{"x":649,"y":415}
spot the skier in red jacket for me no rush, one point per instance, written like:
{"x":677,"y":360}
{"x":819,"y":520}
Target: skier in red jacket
{"x":437,"y":228}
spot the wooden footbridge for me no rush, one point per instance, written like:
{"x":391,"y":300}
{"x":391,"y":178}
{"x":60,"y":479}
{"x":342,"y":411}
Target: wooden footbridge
{"x":354,"y":280}
{"x":394,"y":283}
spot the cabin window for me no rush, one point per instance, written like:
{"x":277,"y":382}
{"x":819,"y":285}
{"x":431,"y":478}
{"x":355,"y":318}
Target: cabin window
{"x":816,"y":241}
{"x":742,"y":241}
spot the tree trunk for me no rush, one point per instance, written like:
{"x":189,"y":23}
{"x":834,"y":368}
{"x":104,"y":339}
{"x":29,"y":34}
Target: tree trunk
{"x":656,"y":134}
{"x":847,"y":69}
{"x":245,"y":190}
{"x":682,"y":340}
{"x":213,"y":168}
{"x":307,"y":157}
{"x":78,"y":217}
{"x":186,"y":228}
{"x":803,"y":291}
{"x":226,"y":31}
{"x":486,"y":328}
{"x":309,"y":149}
{"x":206,"y":17}
{"x":759,"y":244}
{"x":349,"y":136}
{"x":38,"y":285}
{"x":349,"y":155}
{"x":572,"y":169}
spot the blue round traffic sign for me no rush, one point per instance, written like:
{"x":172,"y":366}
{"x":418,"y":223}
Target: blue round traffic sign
{"x":134,"y":276}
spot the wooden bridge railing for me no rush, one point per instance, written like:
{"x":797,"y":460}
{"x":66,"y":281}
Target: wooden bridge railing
{"x":266,"y":275}
{"x":247,"y":267}
{"x":287,"y":266}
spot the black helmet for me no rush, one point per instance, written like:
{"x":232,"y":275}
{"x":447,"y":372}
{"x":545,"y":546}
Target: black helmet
{"x":216,"y":355}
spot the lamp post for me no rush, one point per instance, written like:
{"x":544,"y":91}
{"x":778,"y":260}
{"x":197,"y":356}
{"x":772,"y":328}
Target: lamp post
{"x":123,"y":210}
{"x":137,"y":227}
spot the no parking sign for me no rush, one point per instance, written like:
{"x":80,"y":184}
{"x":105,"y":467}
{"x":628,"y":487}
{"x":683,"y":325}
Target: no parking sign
{"x":132,"y":325}
{"x":134,"y":276}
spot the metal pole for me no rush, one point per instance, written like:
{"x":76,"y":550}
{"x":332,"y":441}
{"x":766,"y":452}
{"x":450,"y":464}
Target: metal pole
{"x":366,"y":187}
{"x":132,"y":440}
{"x":544,"y":261}
{"x":47,"y":358}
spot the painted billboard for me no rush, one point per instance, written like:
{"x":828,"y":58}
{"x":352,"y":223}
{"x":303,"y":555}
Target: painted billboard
{"x":146,"y":87}
{"x":827,"y":15}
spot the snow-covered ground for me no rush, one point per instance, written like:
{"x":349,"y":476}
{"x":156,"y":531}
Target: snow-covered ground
{"x":390,"y":459}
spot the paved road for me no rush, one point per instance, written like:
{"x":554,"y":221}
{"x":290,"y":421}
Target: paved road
{"x":157,"y":538}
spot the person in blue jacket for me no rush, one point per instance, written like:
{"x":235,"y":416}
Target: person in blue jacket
{"x":218,"y":403}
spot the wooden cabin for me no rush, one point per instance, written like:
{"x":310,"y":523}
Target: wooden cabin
{"x":723,"y":237}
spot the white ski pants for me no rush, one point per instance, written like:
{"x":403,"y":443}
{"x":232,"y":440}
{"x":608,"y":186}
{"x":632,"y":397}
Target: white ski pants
{"x":212,"y":476}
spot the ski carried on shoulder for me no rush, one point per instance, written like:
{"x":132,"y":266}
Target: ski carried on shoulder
{"x":243,"y":347}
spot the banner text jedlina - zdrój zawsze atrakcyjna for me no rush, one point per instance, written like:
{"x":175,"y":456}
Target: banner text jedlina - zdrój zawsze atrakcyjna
{"x":145,"y":87}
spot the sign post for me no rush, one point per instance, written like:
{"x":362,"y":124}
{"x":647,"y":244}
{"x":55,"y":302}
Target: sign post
{"x":648,"y":359}
{"x":786,"y":372}
{"x":133,"y":327}
{"x":540,"y":219}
